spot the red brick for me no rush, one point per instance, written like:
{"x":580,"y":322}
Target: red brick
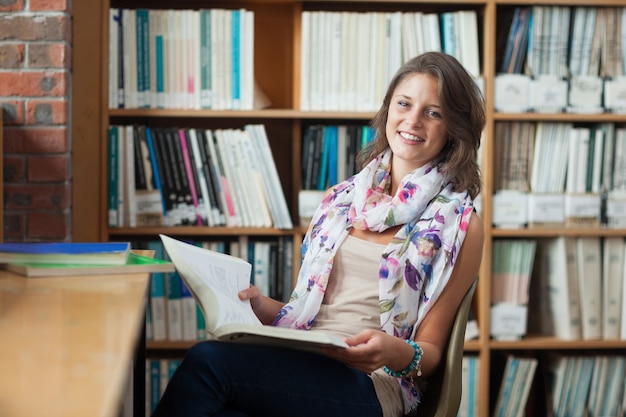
{"x":48,"y":55}
{"x":13,"y":227}
{"x":12,"y":112}
{"x":13,"y":140}
{"x":46,"y":140}
{"x":33,"y":84}
{"x":11,"y":5}
{"x":35,"y":28}
{"x":48,"y":5}
{"x":14,"y":168}
{"x":48,"y":168}
{"x":37,"y":197}
{"x":53,"y":225}
{"x":12,"y":56}
{"x":46,"y":112}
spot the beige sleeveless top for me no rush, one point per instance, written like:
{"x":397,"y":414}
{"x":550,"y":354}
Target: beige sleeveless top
{"x":351,"y":305}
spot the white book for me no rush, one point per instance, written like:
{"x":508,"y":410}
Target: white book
{"x":582,"y":165}
{"x":218,"y":81}
{"x":121,"y":175}
{"x":202,"y":186}
{"x":130,"y":206}
{"x":130,"y":58}
{"x":247,"y":60}
{"x":575,"y":312}
{"x":468,"y":41}
{"x":572,"y":161}
{"x":113,"y":57}
{"x":363,"y":70}
{"x":305,"y":60}
{"x":555,"y":285}
{"x":590,"y":284}
{"x":276,"y":197}
{"x":334,"y":61}
{"x":252,"y":175}
{"x":229,"y":168}
{"x":216,"y":279}
{"x":230,"y":214}
{"x":612,"y":282}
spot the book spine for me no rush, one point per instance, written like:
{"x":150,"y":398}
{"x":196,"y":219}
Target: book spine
{"x":154,"y":164}
{"x":205,"y":59}
{"x":191,"y":175}
{"x":113,"y":178}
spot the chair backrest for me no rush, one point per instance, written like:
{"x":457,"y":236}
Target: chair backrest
{"x":443,"y":394}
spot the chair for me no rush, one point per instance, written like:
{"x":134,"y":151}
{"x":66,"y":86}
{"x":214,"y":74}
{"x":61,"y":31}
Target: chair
{"x":443,"y":394}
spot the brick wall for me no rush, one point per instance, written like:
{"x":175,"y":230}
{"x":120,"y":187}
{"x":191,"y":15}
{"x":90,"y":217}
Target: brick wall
{"x":35,"y":47}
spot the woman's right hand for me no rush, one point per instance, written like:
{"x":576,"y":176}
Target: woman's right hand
{"x":265,"y":308}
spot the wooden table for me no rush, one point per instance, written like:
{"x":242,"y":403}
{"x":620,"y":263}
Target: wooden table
{"x":66,"y":343}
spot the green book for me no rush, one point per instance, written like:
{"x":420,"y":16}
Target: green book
{"x":134,"y":264}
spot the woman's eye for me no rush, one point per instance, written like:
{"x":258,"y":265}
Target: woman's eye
{"x":434,"y":114}
{"x":403,"y":103}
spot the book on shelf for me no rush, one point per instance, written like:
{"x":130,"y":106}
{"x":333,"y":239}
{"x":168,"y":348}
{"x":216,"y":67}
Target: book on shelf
{"x":135,"y":264}
{"x":215,"y":280}
{"x":515,"y":387}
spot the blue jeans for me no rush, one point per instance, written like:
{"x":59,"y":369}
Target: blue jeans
{"x":228,"y":379}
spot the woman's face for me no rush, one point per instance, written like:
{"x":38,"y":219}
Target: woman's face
{"x":415,"y":130}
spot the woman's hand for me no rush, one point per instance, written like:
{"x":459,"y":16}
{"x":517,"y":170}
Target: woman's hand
{"x":265,"y":308}
{"x":372,"y":349}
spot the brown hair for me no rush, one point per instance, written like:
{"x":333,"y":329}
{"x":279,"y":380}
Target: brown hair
{"x":463,"y":112}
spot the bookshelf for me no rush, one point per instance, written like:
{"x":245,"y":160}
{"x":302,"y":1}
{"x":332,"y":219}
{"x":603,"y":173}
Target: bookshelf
{"x":277,"y":65}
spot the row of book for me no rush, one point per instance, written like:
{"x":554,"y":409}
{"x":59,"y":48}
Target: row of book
{"x":577,"y":386}
{"x":469,"y":393}
{"x":565,"y":41}
{"x":329,"y":153}
{"x":562,"y":160}
{"x":348,"y":58}
{"x":188,"y":59}
{"x":173,"y":314}
{"x":575,"y":286}
{"x":563,"y":59}
{"x":158,"y":375}
{"x":187,"y":176}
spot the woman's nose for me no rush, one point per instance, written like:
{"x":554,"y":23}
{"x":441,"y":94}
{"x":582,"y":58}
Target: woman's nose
{"x":414,"y":119}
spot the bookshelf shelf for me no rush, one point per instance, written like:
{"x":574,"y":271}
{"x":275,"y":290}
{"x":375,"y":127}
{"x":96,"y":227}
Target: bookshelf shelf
{"x":200,"y":231}
{"x":289,"y":114}
{"x":551,"y":232}
{"x":278,"y":67}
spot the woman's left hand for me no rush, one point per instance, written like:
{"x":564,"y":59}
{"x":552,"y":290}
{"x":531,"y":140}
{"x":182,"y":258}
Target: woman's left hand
{"x":370,"y":350}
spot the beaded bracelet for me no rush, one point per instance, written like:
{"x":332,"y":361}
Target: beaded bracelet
{"x":414,"y":366}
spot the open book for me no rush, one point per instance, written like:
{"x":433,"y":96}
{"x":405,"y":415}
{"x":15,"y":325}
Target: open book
{"x":215,"y":280}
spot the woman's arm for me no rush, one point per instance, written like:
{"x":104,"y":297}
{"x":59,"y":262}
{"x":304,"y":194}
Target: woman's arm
{"x":265,"y":308}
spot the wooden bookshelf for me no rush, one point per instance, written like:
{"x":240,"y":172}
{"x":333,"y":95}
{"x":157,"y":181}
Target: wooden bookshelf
{"x":277,"y":69}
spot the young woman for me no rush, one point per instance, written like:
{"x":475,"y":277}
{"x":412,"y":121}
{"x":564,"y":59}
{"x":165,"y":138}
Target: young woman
{"x":386,"y":261}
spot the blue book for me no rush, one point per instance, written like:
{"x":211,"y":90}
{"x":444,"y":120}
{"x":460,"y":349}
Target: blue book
{"x":157,"y":295}
{"x":322,"y":178}
{"x":154,"y":162}
{"x":174,"y":306}
{"x":113,"y":212}
{"x":155,"y":383}
{"x":78,"y":253}
{"x":236,"y":59}
{"x":331,"y":133}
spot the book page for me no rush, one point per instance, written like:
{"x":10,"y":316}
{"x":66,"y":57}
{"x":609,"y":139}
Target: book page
{"x":214,"y":279}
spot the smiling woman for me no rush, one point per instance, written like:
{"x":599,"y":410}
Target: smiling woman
{"x":402,"y":235}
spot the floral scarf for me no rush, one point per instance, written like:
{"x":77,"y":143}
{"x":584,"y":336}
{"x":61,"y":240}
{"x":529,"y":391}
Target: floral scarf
{"x":416,"y":264}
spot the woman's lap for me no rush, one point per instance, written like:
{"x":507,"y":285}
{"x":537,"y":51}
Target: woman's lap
{"x":226,"y":379}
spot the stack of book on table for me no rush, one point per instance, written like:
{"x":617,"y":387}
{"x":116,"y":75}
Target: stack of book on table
{"x":40,"y":259}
